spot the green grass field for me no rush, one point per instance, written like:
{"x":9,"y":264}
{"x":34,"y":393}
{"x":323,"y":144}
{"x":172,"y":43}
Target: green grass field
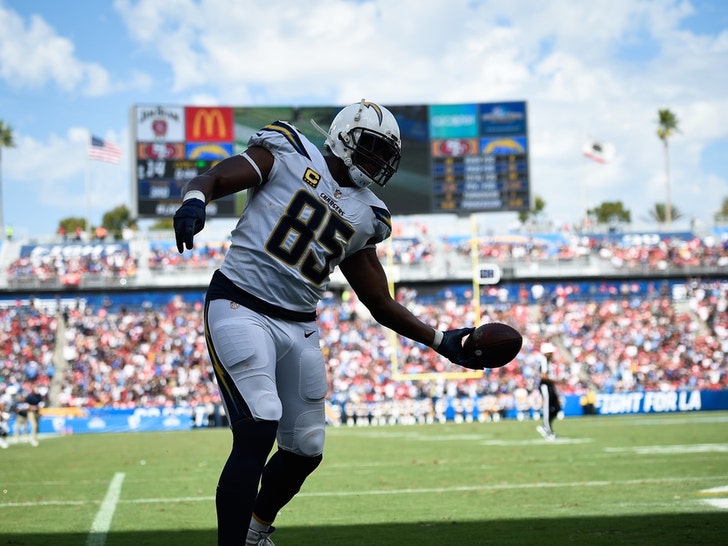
{"x":649,"y":479}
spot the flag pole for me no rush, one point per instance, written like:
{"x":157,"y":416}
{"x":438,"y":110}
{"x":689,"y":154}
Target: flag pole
{"x":88,"y":186}
{"x":582,"y":189}
{"x":475,"y":266}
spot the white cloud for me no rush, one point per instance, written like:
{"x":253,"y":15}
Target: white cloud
{"x":33,"y":55}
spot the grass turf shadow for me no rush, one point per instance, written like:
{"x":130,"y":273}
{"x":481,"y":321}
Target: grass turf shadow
{"x":657,"y":529}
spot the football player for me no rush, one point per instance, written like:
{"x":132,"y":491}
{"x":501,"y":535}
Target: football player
{"x":305,"y":214}
{"x":550,"y":404}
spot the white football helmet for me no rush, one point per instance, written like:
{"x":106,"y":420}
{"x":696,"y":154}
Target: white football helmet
{"x":365,"y":136}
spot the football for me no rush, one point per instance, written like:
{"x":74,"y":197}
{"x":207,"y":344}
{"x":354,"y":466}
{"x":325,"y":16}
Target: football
{"x":494,"y":344}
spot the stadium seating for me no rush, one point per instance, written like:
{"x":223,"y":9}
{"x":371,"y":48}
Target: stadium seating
{"x":638,"y":334}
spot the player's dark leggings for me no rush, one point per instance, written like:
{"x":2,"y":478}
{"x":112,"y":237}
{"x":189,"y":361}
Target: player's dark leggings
{"x":551,"y":402}
{"x":237,"y":490}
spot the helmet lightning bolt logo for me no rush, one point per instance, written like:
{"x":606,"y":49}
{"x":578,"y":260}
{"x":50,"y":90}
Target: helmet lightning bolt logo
{"x":374,"y":107}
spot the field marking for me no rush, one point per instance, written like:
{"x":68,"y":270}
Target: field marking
{"x":663,"y":419}
{"x":559,"y":440}
{"x":670,"y":450}
{"x":102,"y":522}
{"x":720,"y":503}
{"x":675,"y":418}
{"x":504,"y":487}
{"x":482,"y":439}
{"x":408,"y":491}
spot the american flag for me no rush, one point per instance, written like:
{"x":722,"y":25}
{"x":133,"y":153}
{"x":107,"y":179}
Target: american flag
{"x":104,"y":151}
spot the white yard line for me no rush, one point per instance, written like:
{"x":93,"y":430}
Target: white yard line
{"x":670,"y":450}
{"x":498,"y":487}
{"x":102,"y":523}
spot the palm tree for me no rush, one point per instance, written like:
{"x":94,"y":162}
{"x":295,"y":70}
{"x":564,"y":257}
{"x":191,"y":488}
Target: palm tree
{"x":6,"y":141}
{"x":667,"y":126}
{"x":660,"y":212}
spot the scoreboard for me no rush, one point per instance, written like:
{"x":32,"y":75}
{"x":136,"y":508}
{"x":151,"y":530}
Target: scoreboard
{"x":480,"y":163}
{"x":173,"y":145}
{"x":480,"y":183}
{"x":456,"y":158}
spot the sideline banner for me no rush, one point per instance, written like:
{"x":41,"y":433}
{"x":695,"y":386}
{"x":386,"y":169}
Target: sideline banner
{"x":660,"y":402}
{"x":76,"y":421}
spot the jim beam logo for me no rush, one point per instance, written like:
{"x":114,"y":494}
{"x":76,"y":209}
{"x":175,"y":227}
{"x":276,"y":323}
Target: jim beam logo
{"x":160,"y":123}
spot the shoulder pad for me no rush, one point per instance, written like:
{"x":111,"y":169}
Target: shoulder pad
{"x":383,"y":224}
{"x":280,"y":136}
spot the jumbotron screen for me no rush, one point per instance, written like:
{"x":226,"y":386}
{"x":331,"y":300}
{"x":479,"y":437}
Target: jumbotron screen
{"x":456,"y":158}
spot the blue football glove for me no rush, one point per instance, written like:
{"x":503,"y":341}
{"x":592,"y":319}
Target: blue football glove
{"x":451,"y":347}
{"x":188,"y":221}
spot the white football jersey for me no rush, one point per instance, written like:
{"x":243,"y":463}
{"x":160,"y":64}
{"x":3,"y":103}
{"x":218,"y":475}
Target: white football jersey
{"x":297,"y":226}
{"x":545,"y":365}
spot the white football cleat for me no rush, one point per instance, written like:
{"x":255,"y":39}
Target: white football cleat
{"x":259,"y":538}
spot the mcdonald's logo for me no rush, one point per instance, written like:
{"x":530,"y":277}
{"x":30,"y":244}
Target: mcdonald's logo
{"x":208,"y":124}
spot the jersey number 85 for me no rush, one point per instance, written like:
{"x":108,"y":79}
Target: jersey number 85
{"x":306,"y":223}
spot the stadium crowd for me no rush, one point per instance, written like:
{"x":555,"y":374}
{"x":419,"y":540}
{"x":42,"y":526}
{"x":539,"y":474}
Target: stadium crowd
{"x":73,"y":262}
{"x":628,"y":252}
{"x":69,"y":262}
{"x":156,"y":356}
{"x":208,"y":256}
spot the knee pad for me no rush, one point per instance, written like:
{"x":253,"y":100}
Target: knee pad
{"x":309,"y":435}
{"x":266,"y":407}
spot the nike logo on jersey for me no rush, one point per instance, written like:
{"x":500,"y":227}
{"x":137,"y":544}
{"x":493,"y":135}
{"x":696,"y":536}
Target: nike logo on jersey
{"x":309,"y":334}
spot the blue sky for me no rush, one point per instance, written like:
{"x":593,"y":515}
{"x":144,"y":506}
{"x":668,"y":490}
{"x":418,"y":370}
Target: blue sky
{"x":589,"y":70}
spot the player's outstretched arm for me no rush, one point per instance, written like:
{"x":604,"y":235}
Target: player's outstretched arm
{"x":369,"y":281}
{"x":367,"y":278}
{"x":231,"y":175}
